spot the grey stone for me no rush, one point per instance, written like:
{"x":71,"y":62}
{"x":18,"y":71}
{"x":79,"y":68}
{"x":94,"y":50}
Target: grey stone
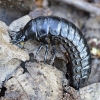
{"x":43,"y":82}
{"x":90,"y":92}
{"x":10,"y":55}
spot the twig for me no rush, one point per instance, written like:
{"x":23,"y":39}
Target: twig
{"x":83,"y":5}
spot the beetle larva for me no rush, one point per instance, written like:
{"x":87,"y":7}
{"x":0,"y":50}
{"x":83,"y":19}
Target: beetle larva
{"x":54,"y":28}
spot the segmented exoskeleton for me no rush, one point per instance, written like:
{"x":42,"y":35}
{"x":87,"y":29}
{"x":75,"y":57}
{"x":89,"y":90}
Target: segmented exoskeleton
{"x":59,"y":29}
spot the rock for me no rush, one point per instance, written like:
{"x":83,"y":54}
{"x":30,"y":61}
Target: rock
{"x":9,"y":54}
{"x":40,"y":12}
{"x":41,"y":82}
{"x":23,"y":5}
{"x":95,"y":72}
{"x":91,"y":26}
{"x":92,"y":33}
{"x":91,"y":92}
{"x":4,"y":35}
{"x":6,"y":70}
{"x":11,"y":10}
{"x":9,"y":51}
{"x":93,"y":23}
{"x":71,"y":94}
{"x":19,"y":23}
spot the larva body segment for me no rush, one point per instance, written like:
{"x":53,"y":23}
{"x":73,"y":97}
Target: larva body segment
{"x":55,"y":28}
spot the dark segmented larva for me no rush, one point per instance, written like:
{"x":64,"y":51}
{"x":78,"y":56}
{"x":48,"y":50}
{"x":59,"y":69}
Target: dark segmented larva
{"x":55,"y":28}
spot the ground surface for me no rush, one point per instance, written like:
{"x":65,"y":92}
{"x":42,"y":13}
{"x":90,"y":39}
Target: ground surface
{"x":46,"y":87}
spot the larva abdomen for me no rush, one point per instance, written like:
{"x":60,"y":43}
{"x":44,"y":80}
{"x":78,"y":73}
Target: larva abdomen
{"x":79,"y":54}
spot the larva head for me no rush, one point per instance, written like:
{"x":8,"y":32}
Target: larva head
{"x":17,"y":37}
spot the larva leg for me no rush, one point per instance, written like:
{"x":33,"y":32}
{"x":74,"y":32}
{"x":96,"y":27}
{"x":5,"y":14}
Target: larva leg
{"x":46,"y":52}
{"x":53,"y":54}
{"x":44,"y":41}
{"x":53,"y":50}
{"x":38,"y":50}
